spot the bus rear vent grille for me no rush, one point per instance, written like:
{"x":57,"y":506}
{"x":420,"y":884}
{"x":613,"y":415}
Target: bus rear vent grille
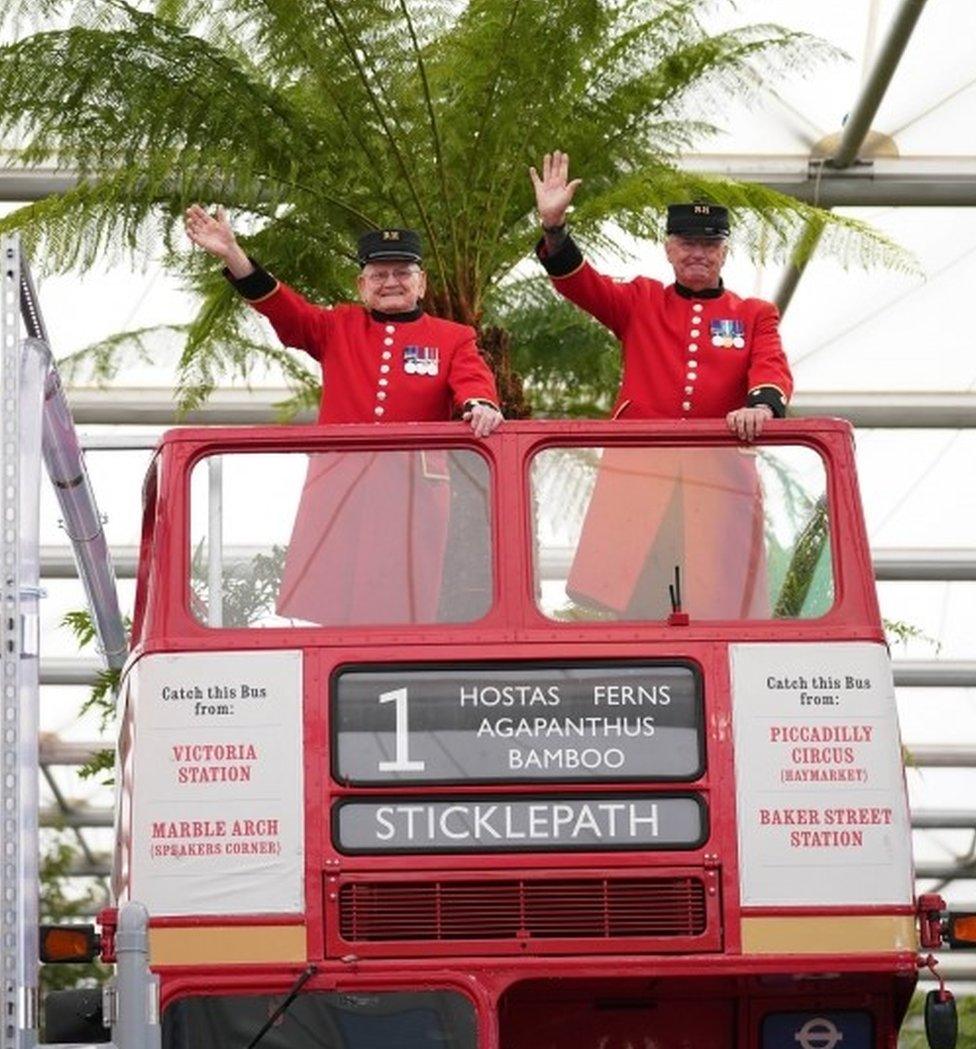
{"x":496,"y":910}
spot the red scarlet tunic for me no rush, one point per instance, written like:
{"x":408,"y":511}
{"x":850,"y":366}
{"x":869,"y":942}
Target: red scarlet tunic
{"x":369,"y":537}
{"x":371,"y":364}
{"x":686,"y":355}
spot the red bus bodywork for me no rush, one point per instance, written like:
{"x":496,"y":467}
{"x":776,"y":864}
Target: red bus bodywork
{"x":532,"y":938}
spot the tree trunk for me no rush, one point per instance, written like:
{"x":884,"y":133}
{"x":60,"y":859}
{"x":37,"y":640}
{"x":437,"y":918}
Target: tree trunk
{"x":496,"y":344}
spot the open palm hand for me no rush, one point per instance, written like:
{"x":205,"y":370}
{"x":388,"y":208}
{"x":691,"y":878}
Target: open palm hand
{"x":210,"y":232}
{"x":553,"y":191}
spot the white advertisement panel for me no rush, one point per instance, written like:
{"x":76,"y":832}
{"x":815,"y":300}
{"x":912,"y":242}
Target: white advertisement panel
{"x":217,"y":813}
{"x":822,"y":810}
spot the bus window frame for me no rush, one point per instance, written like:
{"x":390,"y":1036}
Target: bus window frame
{"x":693,"y":437}
{"x":332,"y":442}
{"x":514,"y":616}
{"x":150,"y":507}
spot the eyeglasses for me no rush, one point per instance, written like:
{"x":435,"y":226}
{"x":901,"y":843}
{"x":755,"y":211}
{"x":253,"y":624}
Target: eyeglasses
{"x":401,"y":274}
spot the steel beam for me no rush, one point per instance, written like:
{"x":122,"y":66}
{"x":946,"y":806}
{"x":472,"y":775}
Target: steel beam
{"x":796,"y":168}
{"x":802,"y":253}
{"x":909,"y":673}
{"x":56,"y":671}
{"x":858,"y":124}
{"x":953,"y":966}
{"x":927,"y":673}
{"x":880,"y":182}
{"x":839,"y":190}
{"x":58,"y":562}
{"x":893,"y":410}
{"x":55,"y":751}
{"x":30,"y":184}
{"x":113,"y":442}
{"x":944,"y":819}
{"x":922,"y":564}
{"x":941,"y":755}
{"x":146,"y":406}
{"x":959,"y":871}
{"x":256,"y":407}
{"x":77,"y":816}
{"x":895,"y":564}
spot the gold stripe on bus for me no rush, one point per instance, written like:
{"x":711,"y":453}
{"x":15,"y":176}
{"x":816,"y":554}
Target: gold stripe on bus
{"x":825,"y":934}
{"x":226,"y":944}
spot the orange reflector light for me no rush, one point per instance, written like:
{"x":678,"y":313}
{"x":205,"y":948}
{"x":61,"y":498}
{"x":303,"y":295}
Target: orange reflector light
{"x":962,"y":931}
{"x":69,"y":943}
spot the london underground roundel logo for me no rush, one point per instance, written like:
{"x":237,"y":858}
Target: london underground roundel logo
{"x":818,"y":1033}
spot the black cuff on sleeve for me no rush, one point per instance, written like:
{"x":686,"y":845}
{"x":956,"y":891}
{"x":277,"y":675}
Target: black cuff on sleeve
{"x":566,"y":259}
{"x":769,"y":396}
{"x":255,"y":285}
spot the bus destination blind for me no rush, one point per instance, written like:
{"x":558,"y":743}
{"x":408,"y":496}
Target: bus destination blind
{"x":517,"y":723}
{"x":512,"y":824}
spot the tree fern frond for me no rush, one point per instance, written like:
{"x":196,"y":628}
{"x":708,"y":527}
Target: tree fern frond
{"x":223,"y":341}
{"x":147,"y":95}
{"x":100,"y":362}
{"x":86,"y":224}
{"x":692,"y":78}
{"x":312,"y":120}
{"x":766,"y":223}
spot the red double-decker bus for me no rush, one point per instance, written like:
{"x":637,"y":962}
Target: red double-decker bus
{"x":580,"y":736}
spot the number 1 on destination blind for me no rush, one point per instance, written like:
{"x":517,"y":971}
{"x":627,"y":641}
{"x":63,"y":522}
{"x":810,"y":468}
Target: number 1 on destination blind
{"x":402,"y":762}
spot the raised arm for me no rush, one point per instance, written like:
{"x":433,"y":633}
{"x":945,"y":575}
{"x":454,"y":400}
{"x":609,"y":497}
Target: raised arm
{"x":296,"y":321}
{"x":213,"y":233}
{"x":572,"y":277}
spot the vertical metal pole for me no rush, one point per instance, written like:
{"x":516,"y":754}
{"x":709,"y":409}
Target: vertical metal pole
{"x":18,"y":753}
{"x":82,"y":522}
{"x":33,"y":372}
{"x":10,"y":640}
{"x":136,"y":1023}
{"x":215,"y":541}
{"x":65,"y":464}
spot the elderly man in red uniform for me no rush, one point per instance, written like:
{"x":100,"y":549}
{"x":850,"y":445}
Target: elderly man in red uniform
{"x":382,"y":361}
{"x":691,"y":350}
{"x":369,"y":537}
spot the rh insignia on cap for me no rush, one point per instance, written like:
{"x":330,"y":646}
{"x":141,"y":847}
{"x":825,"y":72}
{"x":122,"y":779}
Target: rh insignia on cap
{"x":702,"y":209}
{"x":378,"y":244}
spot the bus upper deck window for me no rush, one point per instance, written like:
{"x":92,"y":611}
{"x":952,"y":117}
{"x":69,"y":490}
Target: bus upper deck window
{"x":349,"y":537}
{"x":747,"y":529}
